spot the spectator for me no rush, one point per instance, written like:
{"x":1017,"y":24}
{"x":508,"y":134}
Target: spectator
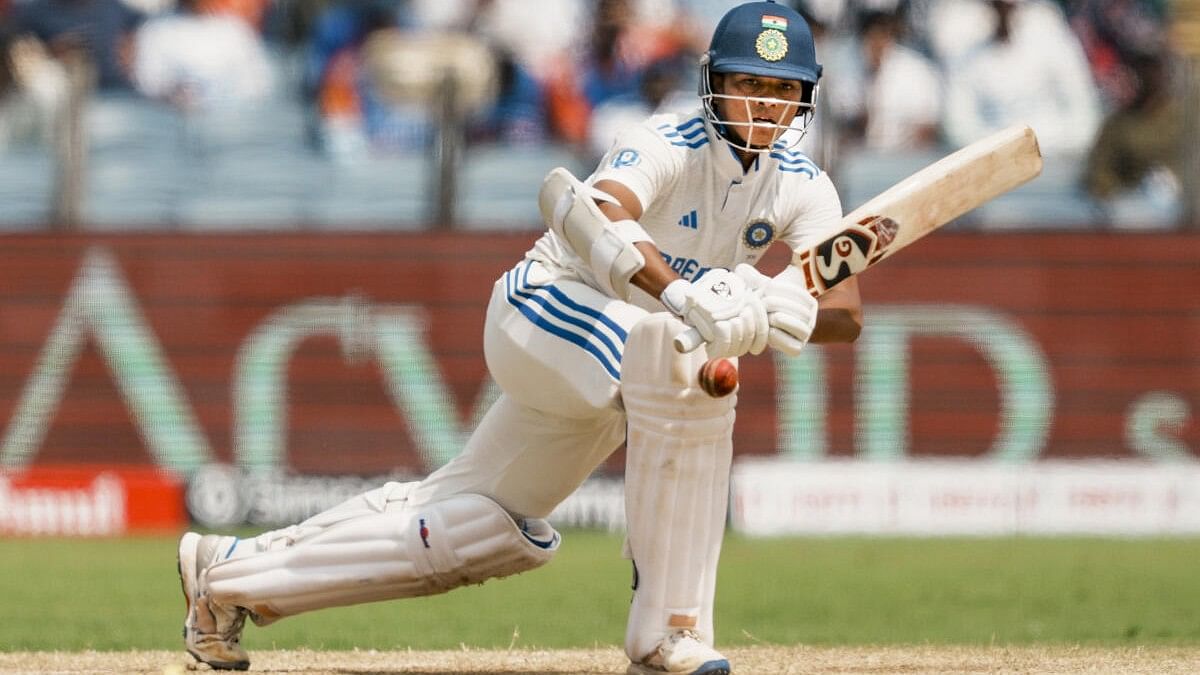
{"x":820,"y":138}
{"x":886,"y":96}
{"x":619,"y":50}
{"x":1030,"y":70}
{"x":103,"y":29}
{"x":33,"y":91}
{"x":334,"y":83}
{"x":250,"y":11}
{"x":518,"y":116}
{"x":405,"y":80}
{"x":1136,"y":166}
{"x":1113,"y":34}
{"x":200,"y":60}
{"x":560,"y":26}
{"x":662,"y":89}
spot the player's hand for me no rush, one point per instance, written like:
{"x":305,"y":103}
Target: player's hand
{"x":791,"y":309}
{"x":729,"y":316}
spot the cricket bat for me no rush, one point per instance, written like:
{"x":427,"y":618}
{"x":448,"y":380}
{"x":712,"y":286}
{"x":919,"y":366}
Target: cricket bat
{"x":913,"y":208}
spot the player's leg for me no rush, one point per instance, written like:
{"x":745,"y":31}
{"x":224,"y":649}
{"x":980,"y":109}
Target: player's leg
{"x":384,"y":550}
{"x":678,"y":455}
{"x":476,"y":518}
{"x":524,"y":459}
{"x":211,"y":632}
{"x":555,"y":348}
{"x":212,"y":628}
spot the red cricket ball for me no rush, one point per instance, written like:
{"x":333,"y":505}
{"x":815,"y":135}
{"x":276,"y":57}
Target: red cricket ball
{"x":718,"y":377}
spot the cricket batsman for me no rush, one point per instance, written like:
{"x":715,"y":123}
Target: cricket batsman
{"x":661,"y":238}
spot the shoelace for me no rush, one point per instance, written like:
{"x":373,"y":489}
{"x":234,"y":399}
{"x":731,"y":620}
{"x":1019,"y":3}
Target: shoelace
{"x":680,"y":635}
{"x":234,"y":634}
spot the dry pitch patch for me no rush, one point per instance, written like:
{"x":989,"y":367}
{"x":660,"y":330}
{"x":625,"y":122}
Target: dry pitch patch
{"x":746,"y":661}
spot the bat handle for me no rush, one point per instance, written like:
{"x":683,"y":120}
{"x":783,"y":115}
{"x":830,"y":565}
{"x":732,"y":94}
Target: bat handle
{"x":688,"y":341}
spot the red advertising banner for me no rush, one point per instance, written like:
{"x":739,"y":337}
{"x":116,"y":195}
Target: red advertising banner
{"x":361,"y":353}
{"x":90,"y":501}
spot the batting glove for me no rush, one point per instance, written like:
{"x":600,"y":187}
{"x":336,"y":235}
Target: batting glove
{"x":730,"y":317}
{"x":791,"y":309}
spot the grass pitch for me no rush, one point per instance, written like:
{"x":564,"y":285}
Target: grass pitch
{"x":122,"y":594}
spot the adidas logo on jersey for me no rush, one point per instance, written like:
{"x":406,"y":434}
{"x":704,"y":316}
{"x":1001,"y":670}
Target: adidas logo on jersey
{"x":690,"y":221}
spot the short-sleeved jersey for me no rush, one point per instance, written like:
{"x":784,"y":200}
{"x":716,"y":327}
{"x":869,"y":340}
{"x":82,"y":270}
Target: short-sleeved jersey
{"x":701,"y":208}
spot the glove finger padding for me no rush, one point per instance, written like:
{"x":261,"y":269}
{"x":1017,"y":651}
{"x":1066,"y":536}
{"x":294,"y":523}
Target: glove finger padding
{"x":761,"y":325}
{"x":754,"y":279}
{"x":784,"y":343}
{"x":720,"y":345}
{"x":756,"y":282}
{"x":802,"y":309}
{"x":793,"y":325}
{"x":703,"y":325}
{"x":737,"y":335}
{"x":791,"y":309}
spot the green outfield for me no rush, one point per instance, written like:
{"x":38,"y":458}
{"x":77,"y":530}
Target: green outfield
{"x":123,"y":594}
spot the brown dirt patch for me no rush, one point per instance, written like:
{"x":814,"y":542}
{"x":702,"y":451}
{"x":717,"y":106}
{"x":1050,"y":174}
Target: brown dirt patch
{"x":746,"y":661}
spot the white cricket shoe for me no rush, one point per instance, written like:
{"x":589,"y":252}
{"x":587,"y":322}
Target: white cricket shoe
{"x":211,"y":632}
{"x":682,"y":652}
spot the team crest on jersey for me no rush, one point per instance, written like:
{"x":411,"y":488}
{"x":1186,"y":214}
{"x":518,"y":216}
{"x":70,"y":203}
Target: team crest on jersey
{"x":771,"y":44}
{"x":626,"y":157}
{"x":758,"y":233}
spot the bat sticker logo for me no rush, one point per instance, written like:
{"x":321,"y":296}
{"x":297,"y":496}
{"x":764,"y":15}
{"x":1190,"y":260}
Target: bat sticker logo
{"x":885,"y":230}
{"x":844,"y":255}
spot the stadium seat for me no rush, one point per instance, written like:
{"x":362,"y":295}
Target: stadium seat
{"x":498,"y":185}
{"x":27,"y":179}
{"x":863,"y":174}
{"x":137,"y":163}
{"x":374,"y":193}
{"x":1053,"y":200}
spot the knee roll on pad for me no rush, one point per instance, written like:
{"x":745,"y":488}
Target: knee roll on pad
{"x":408,"y":552}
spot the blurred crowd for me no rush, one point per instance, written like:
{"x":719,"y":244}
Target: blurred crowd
{"x":1103,"y":82}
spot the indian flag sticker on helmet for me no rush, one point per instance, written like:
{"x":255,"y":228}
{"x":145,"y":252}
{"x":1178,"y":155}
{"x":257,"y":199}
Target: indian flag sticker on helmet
{"x":771,"y":45}
{"x":776,"y":22}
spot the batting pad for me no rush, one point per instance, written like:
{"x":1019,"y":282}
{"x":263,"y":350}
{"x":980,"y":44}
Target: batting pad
{"x":678,"y":452}
{"x":400,"y":553}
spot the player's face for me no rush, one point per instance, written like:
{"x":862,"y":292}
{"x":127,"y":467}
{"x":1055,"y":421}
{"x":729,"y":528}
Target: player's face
{"x":756,"y":108}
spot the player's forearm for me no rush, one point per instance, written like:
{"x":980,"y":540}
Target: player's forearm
{"x":655,"y":276}
{"x":840,"y":316}
{"x":837,"y":324}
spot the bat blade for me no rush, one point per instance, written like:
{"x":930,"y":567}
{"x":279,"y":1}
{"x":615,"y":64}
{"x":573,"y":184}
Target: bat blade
{"x":914,"y":207}
{"x":920,"y":204}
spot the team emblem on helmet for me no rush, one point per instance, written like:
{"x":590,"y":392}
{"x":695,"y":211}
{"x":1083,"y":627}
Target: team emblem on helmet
{"x":759,"y":233}
{"x":771,"y":45}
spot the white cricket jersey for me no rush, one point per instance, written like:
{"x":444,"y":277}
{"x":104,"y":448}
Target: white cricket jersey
{"x":699,"y":206}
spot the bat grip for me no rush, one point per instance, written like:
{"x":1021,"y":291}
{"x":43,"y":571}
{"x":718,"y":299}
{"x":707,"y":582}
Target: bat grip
{"x":688,"y":341}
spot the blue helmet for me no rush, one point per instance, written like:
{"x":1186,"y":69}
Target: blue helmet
{"x":764,"y":38}
{"x":768,"y":40}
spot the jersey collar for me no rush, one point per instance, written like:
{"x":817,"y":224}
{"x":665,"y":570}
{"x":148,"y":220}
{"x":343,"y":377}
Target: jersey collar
{"x":725,"y":159}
